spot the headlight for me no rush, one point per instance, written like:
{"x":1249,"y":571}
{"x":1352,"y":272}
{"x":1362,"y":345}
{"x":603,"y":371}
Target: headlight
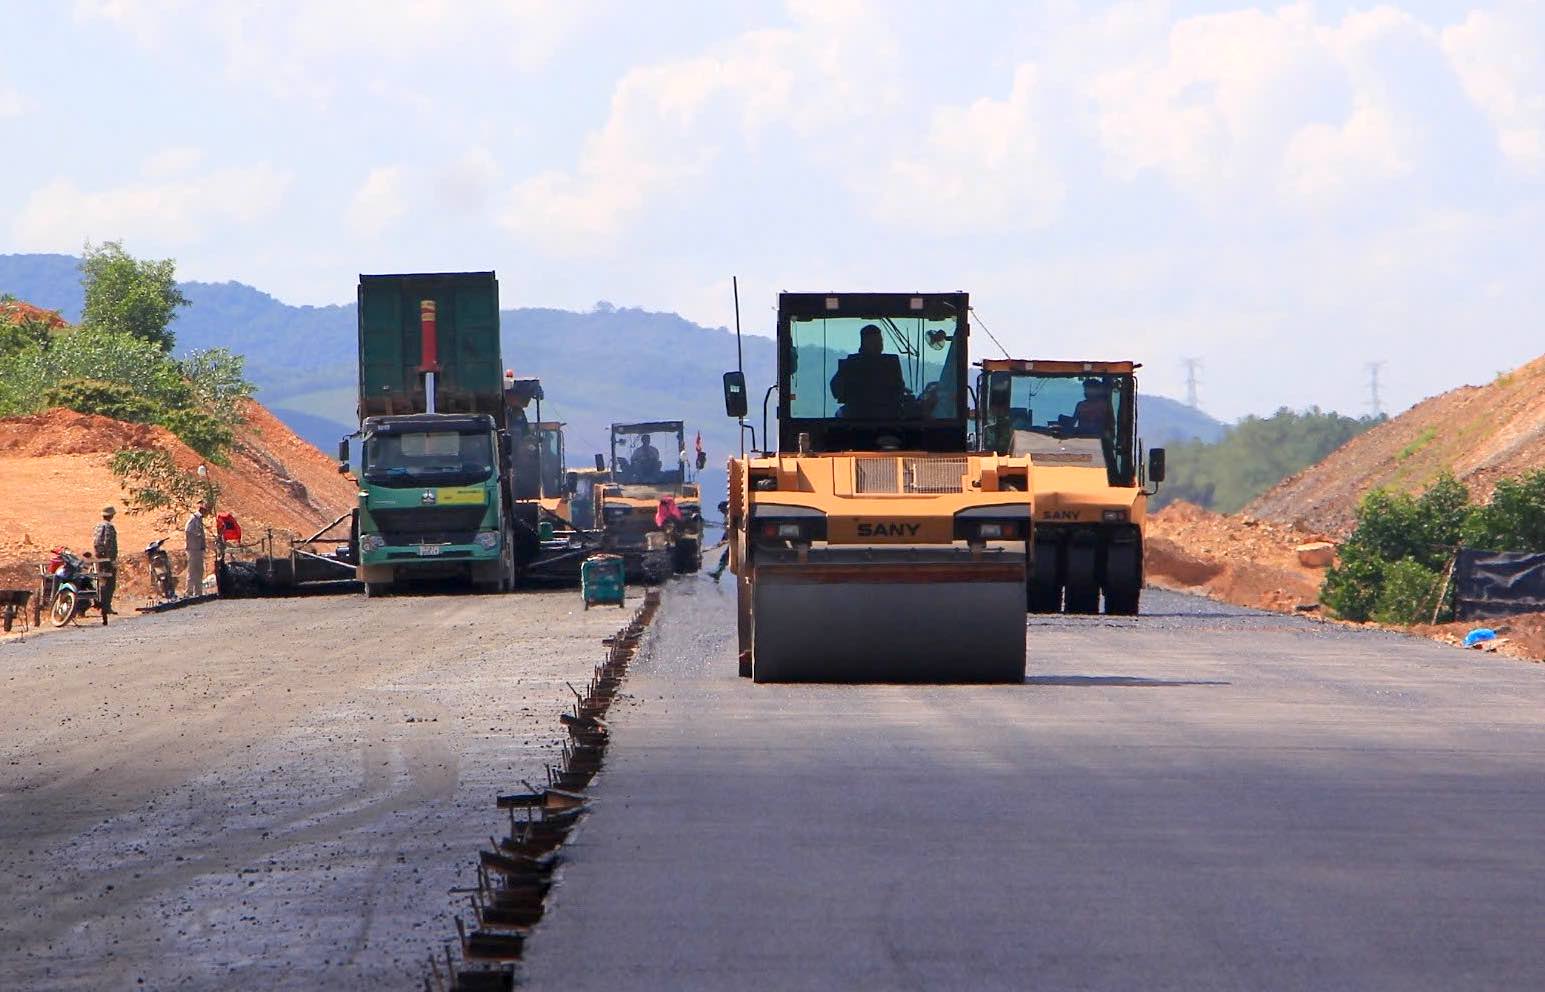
{"x":1114,"y":516}
{"x":371,"y":542}
{"x":488,"y":539}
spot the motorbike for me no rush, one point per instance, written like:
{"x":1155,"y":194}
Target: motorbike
{"x":162,"y":579}
{"x":70,"y":587}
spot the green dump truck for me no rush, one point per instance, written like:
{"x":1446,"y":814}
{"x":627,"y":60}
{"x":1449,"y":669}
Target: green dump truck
{"x":435,"y":487}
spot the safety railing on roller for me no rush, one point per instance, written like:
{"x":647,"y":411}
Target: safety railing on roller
{"x":515,"y":872}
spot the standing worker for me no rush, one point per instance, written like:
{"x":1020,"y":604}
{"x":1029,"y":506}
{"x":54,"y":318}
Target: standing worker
{"x":104,"y":544}
{"x":193,"y":531}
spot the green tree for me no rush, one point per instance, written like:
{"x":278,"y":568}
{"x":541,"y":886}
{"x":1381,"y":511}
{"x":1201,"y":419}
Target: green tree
{"x":1408,"y":593}
{"x":1254,"y":455}
{"x":109,"y":399}
{"x":218,"y":379}
{"x":1514,"y":520}
{"x":126,"y":295}
{"x":155,"y":484}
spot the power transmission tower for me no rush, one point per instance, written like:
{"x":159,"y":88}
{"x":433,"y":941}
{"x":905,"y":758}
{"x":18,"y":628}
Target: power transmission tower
{"x":1191,"y":366}
{"x":1373,"y":387}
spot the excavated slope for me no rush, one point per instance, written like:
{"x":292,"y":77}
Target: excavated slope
{"x":1480,"y":433}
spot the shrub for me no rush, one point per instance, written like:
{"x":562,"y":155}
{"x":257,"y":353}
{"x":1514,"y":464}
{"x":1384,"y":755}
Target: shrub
{"x":1351,"y":588}
{"x":1408,"y":593}
{"x":155,"y":484}
{"x":110,"y":399}
{"x":1514,"y":520}
{"x":203,"y":433}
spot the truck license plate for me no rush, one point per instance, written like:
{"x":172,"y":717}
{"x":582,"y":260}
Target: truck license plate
{"x":428,"y":550}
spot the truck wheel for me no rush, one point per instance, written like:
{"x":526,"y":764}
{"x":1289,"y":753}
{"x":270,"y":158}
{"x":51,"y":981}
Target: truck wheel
{"x":1045,"y":583}
{"x":375,"y":590}
{"x":1083,"y":594}
{"x":1123,"y":579}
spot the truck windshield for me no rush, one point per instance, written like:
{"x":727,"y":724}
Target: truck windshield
{"x":647,"y":455}
{"x":428,"y":457}
{"x":875,"y":368}
{"x":1062,"y":419}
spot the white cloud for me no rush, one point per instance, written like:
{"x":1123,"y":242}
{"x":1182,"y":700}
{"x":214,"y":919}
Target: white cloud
{"x":983,"y":166}
{"x":173,"y":161}
{"x":379,"y":202}
{"x":1236,"y":104}
{"x":60,"y":215}
{"x":467,"y":183}
{"x":1500,"y":58}
{"x":668,"y":123}
{"x":12,"y":104}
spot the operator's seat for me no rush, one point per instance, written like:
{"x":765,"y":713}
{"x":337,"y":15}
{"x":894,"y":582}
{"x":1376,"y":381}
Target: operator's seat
{"x":869,"y":387}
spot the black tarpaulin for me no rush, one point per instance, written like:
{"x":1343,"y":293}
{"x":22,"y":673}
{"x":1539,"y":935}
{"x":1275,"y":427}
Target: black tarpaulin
{"x":1498,"y":583}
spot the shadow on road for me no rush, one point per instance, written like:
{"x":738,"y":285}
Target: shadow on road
{"x":1112,"y":680}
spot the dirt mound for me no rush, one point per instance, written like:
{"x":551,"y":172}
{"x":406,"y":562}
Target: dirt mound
{"x":65,"y":432}
{"x":1480,"y":433}
{"x":54,"y":481}
{"x":1240,"y":560}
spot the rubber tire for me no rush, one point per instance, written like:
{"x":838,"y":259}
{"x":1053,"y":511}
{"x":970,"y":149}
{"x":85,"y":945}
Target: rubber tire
{"x":687,"y":556}
{"x":1045,"y":592}
{"x":1083,"y":590}
{"x":743,"y":625}
{"x":67,"y":599}
{"x":375,"y":590}
{"x":1123,"y":579}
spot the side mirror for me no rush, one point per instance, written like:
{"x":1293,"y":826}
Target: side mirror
{"x":343,"y":456}
{"x":735,"y":394}
{"x":1155,"y":464}
{"x":600,"y":462}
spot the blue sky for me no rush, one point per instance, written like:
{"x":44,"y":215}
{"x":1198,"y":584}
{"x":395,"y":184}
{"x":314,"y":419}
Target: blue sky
{"x":1286,"y":191}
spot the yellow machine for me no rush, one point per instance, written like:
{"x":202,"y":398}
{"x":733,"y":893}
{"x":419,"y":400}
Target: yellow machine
{"x":874,"y":545}
{"x":649,"y":511}
{"x":1077,"y":423}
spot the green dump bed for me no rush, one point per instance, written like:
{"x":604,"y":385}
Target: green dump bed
{"x":471,"y":377}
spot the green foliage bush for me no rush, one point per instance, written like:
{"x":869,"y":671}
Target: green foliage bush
{"x":156,"y":485}
{"x":207,"y":435}
{"x":1514,"y":520}
{"x":109,"y":399}
{"x":1407,"y":594}
{"x":1399,"y":540}
{"x":1254,"y":455}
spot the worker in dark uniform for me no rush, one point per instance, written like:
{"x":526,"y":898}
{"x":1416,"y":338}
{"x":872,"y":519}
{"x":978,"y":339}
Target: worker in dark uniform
{"x":868,"y":382}
{"x":645,"y":461}
{"x":1094,"y":417}
{"x":104,"y":544}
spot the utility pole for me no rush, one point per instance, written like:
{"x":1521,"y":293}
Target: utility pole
{"x":1373,"y":387}
{"x":1191,"y":367}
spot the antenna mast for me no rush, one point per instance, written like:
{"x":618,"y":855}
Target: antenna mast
{"x":1191,"y":367}
{"x":1373,"y":387}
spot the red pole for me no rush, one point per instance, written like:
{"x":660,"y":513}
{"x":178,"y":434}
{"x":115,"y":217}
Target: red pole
{"x":429,"y":343}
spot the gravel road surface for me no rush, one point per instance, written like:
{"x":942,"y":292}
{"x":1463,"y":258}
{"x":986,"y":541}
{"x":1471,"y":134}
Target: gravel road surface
{"x":1201,"y":798}
{"x":268,"y":794}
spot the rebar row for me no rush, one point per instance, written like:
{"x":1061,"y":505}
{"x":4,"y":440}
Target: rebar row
{"x":515,"y":873}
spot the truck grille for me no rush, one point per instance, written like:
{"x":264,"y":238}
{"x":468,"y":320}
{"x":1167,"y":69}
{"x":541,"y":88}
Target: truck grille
{"x":909,"y":475}
{"x":421,"y":524}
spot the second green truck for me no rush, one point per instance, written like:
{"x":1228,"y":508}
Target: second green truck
{"x":436,"y":496}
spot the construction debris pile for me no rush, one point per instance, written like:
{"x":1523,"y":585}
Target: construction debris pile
{"x":515,"y":873}
{"x":1238,"y":559}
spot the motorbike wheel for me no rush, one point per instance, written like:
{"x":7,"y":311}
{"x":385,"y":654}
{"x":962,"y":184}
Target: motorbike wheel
{"x":63,"y":610}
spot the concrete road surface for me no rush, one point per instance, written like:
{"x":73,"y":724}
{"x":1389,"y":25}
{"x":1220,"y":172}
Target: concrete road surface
{"x":271,"y":794}
{"x":1203,"y":798}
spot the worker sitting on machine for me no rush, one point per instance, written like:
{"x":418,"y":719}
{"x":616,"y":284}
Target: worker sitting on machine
{"x":645,"y":461}
{"x":1094,"y":417}
{"x":868,"y":382}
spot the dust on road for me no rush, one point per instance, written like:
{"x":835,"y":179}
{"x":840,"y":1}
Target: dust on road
{"x":268,"y":793}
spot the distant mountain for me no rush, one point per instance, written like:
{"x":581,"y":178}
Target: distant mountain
{"x":597,"y":367}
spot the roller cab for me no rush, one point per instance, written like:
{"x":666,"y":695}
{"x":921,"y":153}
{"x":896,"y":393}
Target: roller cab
{"x":873,"y":545}
{"x":1077,"y":423}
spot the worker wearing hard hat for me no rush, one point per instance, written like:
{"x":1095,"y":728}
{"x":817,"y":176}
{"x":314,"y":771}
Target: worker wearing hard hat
{"x":104,"y":544}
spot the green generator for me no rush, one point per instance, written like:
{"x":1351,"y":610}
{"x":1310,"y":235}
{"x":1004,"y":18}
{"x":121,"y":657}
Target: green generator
{"x":603,"y":579}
